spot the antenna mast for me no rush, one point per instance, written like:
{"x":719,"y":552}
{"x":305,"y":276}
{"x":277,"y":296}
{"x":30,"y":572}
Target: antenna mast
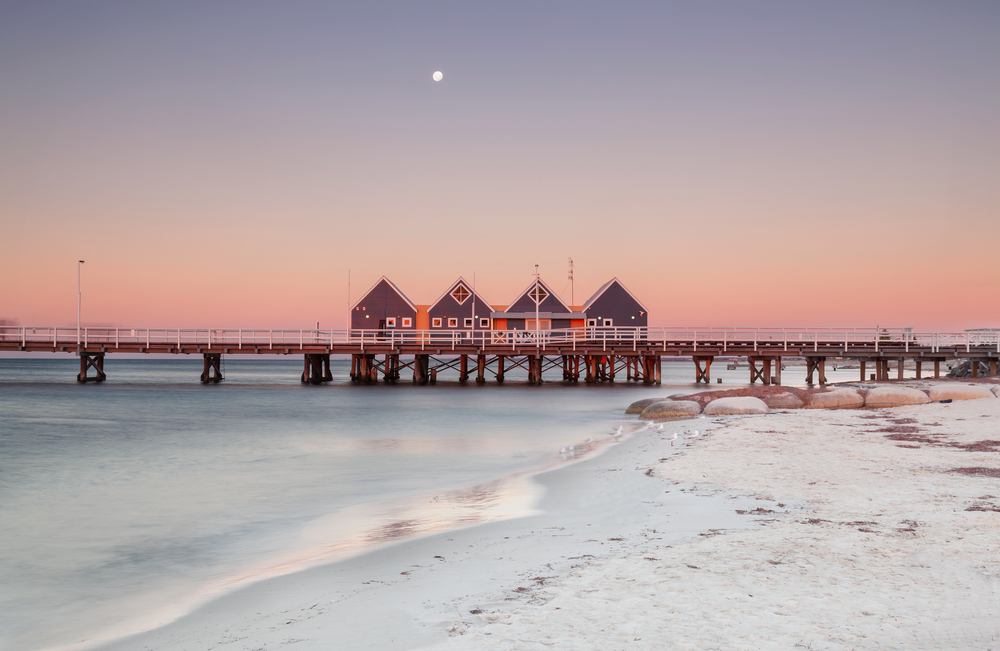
{"x":572,"y":297}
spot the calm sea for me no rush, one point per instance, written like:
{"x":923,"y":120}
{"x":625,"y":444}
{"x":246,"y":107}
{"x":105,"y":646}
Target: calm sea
{"x":125,"y":504}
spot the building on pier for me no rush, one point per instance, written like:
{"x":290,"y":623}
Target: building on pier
{"x":383,"y":307}
{"x":459,"y":308}
{"x":615,"y":306}
{"x":538,"y":301}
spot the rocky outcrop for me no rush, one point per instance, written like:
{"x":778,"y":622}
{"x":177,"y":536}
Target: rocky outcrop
{"x":637,"y":406}
{"x":670,"y":409}
{"x":738,"y":405}
{"x":783,"y":400}
{"x":959,"y":392}
{"x":837,"y":399}
{"x":894,"y":397}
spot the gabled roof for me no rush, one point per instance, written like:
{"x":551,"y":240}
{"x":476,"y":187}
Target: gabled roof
{"x":548,"y":289}
{"x":394,"y":288}
{"x":461,"y":281}
{"x":605,"y":287}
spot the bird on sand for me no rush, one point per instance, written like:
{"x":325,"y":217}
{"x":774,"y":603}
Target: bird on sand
{"x":619,"y":429}
{"x":660,"y":428}
{"x":673,"y":438}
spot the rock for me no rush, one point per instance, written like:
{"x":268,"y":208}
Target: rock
{"x":895,"y":397}
{"x":637,"y":406}
{"x":996,"y":390}
{"x":959,"y":392}
{"x":740,"y":405}
{"x":836,"y":399}
{"x":670,"y":409}
{"x":783,"y":400}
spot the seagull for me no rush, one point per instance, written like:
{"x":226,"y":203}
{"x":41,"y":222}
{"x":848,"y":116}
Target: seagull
{"x":673,"y":438}
{"x":660,"y":428}
{"x":563,"y":451}
{"x":618,"y":430}
{"x":572,"y":448}
{"x":696,"y":434}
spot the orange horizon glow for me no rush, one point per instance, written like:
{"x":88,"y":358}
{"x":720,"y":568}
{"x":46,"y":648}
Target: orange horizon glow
{"x":731,"y":165}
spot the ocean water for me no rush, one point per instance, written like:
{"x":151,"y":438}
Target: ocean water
{"x":125,"y":504}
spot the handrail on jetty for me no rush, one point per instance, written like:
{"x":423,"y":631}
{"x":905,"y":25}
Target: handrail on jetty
{"x":631,"y":345}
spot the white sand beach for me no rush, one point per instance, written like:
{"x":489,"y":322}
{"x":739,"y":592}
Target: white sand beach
{"x":821,"y":529}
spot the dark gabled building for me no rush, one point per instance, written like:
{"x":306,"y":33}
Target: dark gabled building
{"x":459,"y":308}
{"x":383,"y":306}
{"x":613,"y":305}
{"x":552,"y":312}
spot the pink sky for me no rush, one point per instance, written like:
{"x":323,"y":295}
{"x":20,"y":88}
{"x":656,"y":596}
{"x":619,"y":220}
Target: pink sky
{"x":773,"y":165}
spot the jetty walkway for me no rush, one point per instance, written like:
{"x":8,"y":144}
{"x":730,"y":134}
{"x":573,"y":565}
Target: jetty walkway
{"x":591,"y":354}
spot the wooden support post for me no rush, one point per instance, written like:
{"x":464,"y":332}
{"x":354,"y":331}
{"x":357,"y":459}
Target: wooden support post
{"x":391,"y":371}
{"x":611,"y":367}
{"x":776,"y":379}
{"x":993,"y":366}
{"x":315,"y":369}
{"x":703,"y":375}
{"x":974,"y":366}
{"x":480,"y":369}
{"x":755,"y":373}
{"x":463,"y":371}
{"x":211,"y":368}
{"x":810,"y":369}
{"x":917,"y":363}
{"x":821,"y":366}
{"x":862,"y":362}
{"x":766,"y":370}
{"x":354,"y":368}
{"x":937,"y":368}
{"x":421,"y":364}
{"x":901,"y":363}
{"x":657,"y":369}
{"x":501,"y":360}
{"x":91,"y":361}
{"x":590,"y":361}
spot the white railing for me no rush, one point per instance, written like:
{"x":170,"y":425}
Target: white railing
{"x":715,"y":337}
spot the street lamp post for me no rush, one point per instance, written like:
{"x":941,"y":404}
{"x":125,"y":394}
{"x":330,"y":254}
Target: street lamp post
{"x":79,"y":302}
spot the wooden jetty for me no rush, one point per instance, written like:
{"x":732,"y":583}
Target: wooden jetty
{"x":590,"y":354}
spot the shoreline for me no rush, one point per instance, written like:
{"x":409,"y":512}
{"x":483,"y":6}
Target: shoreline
{"x":360,"y":589}
{"x":842,"y":534}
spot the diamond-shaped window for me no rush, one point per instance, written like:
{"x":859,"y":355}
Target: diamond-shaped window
{"x":538,"y":294}
{"x":461,"y":294}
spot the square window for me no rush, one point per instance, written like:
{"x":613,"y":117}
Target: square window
{"x":484,"y":323}
{"x":390,"y":322}
{"x":468,"y":322}
{"x":609,"y":323}
{"x":591,"y":323}
{"x":436,"y":322}
{"x":452,"y":323}
{"x":407,"y":322}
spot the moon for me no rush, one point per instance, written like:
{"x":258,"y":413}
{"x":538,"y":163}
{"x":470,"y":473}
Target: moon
{"x":437,"y":76}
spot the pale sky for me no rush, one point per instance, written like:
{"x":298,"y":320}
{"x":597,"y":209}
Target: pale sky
{"x":225,"y":164}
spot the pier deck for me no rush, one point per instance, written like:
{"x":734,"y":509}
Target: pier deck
{"x":601,"y":353}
